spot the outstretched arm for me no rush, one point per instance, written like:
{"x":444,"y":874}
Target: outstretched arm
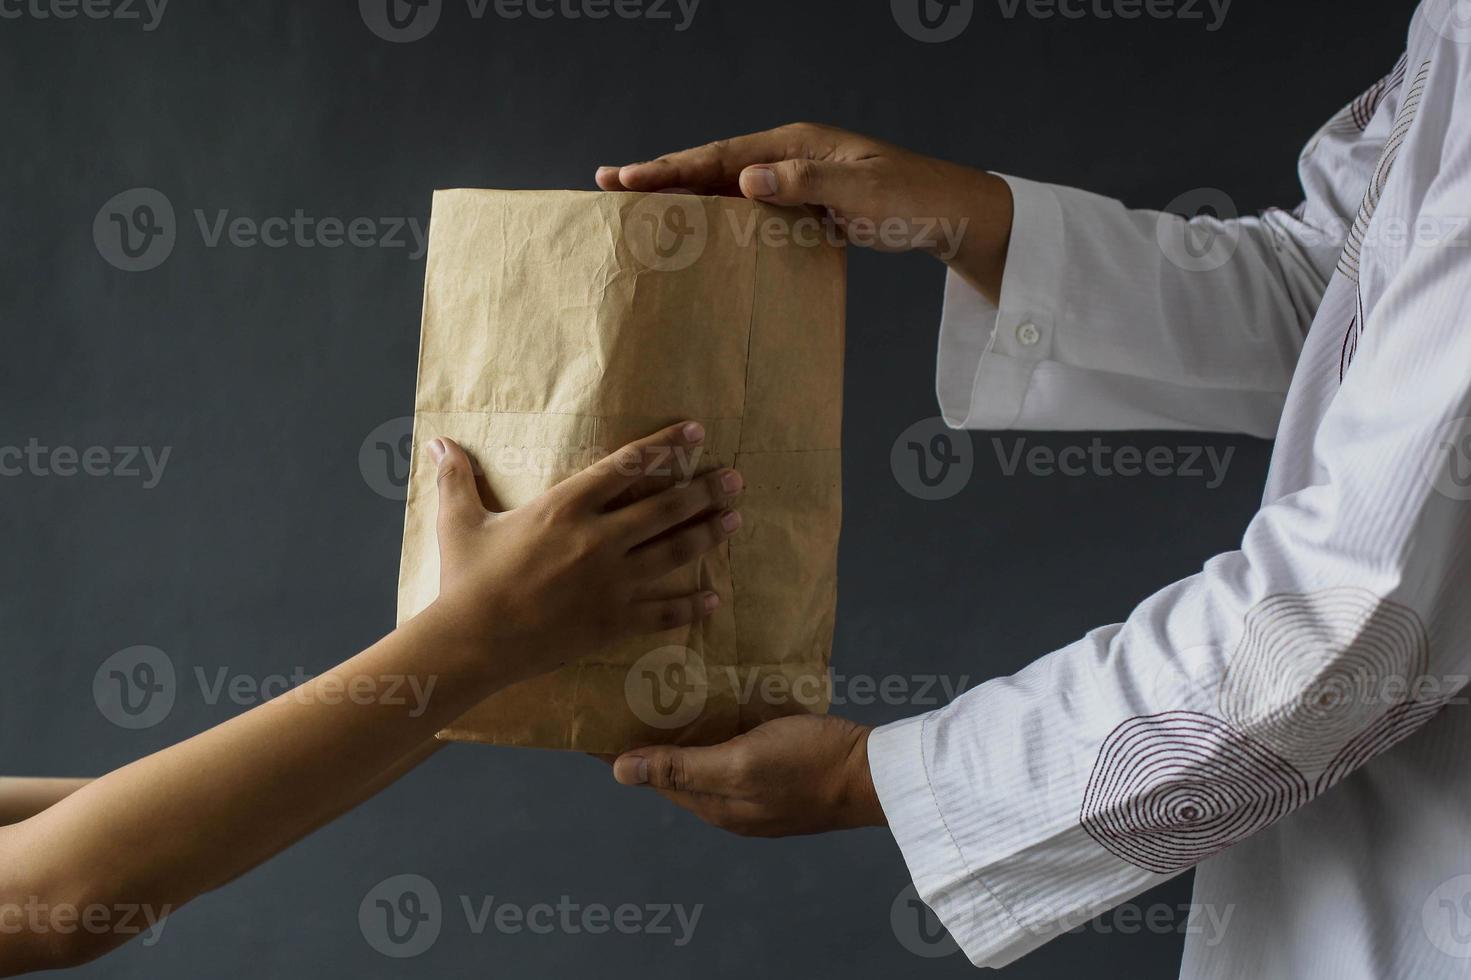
{"x":24,"y":798}
{"x":521,"y":593}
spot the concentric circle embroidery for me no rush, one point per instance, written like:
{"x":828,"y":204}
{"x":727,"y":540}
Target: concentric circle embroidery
{"x":1169,"y":790}
{"x":1394,"y":727}
{"x":1313,"y":671}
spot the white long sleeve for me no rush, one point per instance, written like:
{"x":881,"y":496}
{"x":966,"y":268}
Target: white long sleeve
{"x":1111,"y":318}
{"x":1230,"y":699}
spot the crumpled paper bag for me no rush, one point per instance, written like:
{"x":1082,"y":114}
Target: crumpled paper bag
{"x":559,"y":326}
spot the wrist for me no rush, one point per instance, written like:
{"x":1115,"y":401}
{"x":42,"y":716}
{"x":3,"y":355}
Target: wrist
{"x":982,"y":210}
{"x":860,"y":800}
{"x":493,"y":651}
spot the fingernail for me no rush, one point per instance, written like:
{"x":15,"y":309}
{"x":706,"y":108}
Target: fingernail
{"x":731,"y":521}
{"x":607,"y":171}
{"x":732,"y":481}
{"x":712,"y":602}
{"x":437,"y":450}
{"x":759,"y":182}
{"x":631,"y":771}
{"x":693,"y":432}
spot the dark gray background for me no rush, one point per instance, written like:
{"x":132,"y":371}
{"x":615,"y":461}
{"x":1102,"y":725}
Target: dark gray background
{"x":265,"y":550}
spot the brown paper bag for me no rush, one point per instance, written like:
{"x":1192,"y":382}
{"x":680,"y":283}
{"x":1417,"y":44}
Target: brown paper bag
{"x":559,"y":326}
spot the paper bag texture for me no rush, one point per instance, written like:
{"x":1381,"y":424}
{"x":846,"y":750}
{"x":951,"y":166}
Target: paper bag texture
{"x":559,"y":326}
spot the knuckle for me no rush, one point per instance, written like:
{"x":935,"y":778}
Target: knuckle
{"x":449,"y":473}
{"x":671,"y":508}
{"x":627,"y":461}
{"x":670,"y":616}
{"x":742,"y":767}
{"x":682,"y":550}
{"x":667,"y":771}
{"x":586,"y":544}
{"x":550,"y":511}
{"x":804,"y":172}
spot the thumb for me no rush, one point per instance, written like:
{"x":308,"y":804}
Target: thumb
{"x":459,"y":501}
{"x":801,"y":181}
{"x":686,"y":770}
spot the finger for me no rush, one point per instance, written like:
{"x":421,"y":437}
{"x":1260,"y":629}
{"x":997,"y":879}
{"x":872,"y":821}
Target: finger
{"x":664,"y":555}
{"x":607,"y":179}
{"x":804,"y":181}
{"x":717,"y":165}
{"x":459,"y":501}
{"x":656,"y":514}
{"x":604,"y":480}
{"x":714,"y":770}
{"x":663,"y":615}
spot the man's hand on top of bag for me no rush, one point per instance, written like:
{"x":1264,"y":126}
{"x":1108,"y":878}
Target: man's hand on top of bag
{"x":883,"y":196}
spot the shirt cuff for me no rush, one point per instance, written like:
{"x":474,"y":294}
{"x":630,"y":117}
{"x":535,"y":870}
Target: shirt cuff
{"x":987,"y":352}
{"x":975,"y":918}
